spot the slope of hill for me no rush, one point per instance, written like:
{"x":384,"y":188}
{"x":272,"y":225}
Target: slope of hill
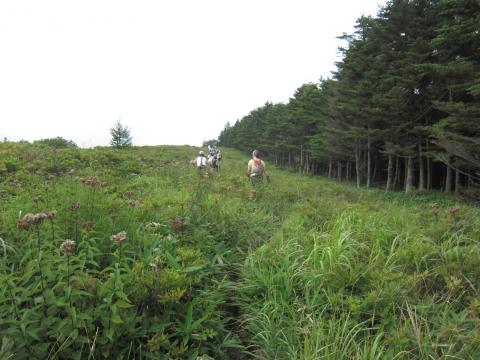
{"x":168,"y":264}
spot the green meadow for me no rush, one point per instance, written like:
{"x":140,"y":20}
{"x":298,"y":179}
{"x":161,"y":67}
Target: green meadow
{"x":165,"y":264}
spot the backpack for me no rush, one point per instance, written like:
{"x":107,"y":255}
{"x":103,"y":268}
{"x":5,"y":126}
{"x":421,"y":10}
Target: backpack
{"x":257,"y":167}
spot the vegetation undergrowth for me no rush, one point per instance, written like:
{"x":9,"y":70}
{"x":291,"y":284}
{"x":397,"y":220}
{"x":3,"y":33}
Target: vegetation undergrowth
{"x":130,"y":254}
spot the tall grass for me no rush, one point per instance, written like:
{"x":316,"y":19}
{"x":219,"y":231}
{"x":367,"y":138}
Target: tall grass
{"x":304,"y":268}
{"x":365,"y":275}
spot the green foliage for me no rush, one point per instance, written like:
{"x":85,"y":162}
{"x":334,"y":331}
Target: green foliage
{"x":120,"y":136}
{"x":56,"y":142}
{"x":401,"y":111}
{"x":307,"y":268}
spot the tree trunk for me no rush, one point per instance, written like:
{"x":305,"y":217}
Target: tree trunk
{"x":375,"y":168}
{"x":357,"y":163}
{"x":429,"y":173}
{"x":457,"y":182}
{"x":389,"y":173}
{"x":339,"y":171}
{"x":396,"y":178}
{"x":449,"y":176}
{"x":301,"y":158}
{"x":347,"y":175}
{"x":330,"y":168}
{"x":409,"y":177}
{"x":429,"y":168}
{"x":421,"y":169}
{"x":369,"y":161}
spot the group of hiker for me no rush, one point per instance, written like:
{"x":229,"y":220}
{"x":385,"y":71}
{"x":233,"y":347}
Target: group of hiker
{"x":255,"y":170}
{"x":208,"y":164}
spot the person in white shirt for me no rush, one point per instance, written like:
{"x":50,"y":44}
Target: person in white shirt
{"x":201,"y":162}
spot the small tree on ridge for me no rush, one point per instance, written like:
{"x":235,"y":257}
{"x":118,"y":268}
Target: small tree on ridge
{"x":120,"y":136}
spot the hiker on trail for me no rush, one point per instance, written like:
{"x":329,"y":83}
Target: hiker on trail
{"x":201,"y":163}
{"x":256,"y":168}
{"x":213,"y":162}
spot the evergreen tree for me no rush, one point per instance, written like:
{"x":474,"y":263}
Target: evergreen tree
{"x":120,"y":136}
{"x":403,"y":105}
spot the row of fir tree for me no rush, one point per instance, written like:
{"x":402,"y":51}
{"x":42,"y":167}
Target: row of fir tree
{"x":402,"y":109}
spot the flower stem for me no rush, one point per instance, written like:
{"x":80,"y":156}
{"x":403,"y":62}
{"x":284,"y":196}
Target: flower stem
{"x":41,"y":272}
{"x":70,"y":290}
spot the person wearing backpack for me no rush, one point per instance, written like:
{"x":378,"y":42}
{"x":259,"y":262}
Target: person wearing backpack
{"x":201,"y":163}
{"x":213,"y":163}
{"x":256,"y":168}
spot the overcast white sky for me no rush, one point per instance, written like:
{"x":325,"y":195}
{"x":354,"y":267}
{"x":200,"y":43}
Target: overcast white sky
{"x":174,"y":71}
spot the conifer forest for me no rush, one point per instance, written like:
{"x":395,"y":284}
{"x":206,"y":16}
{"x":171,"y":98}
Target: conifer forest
{"x":402,"y":110}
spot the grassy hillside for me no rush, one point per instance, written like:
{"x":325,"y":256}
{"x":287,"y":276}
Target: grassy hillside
{"x":302,"y":268}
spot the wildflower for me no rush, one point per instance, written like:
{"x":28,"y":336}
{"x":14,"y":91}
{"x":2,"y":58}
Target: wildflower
{"x":176,"y":224}
{"x":454,"y":209}
{"x":74,"y":206}
{"x":153,"y":225}
{"x":31,"y":219}
{"x":39,"y":218}
{"x":132,"y":202}
{"x":71,"y":172}
{"x":52,"y":214}
{"x":119,"y":238}
{"x":93,"y":182}
{"x":24,"y":223}
{"x":88,"y":225}
{"x":128,"y":194}
{"x":37,"y":199}
{"x":68,"y":247}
